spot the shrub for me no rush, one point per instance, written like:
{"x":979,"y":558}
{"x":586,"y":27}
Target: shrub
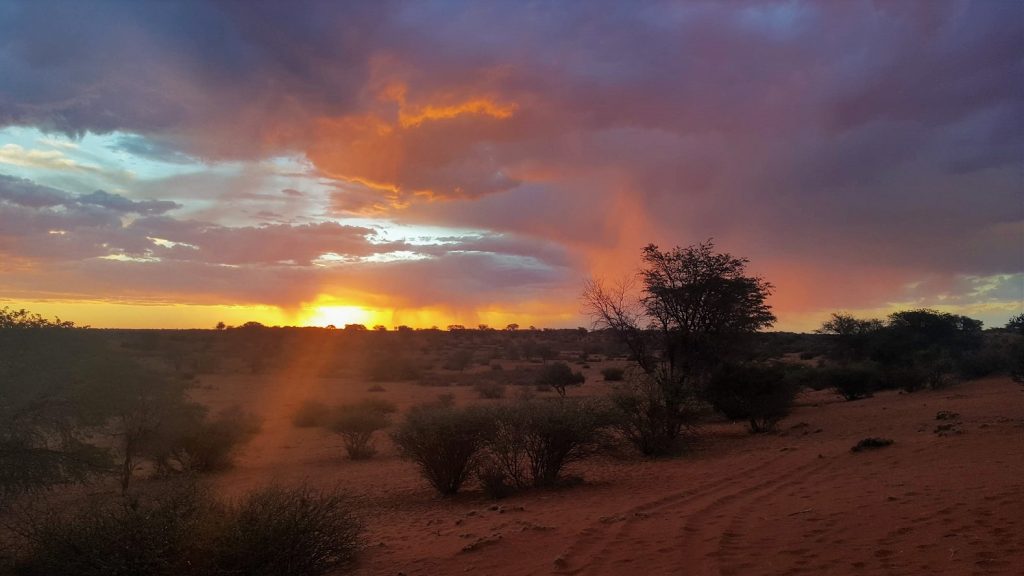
{"x":285,"y":532}
{"x":506,"y":442}
{"x":459,"y":360}
{"x":1017,"y":368}
{"x":643,"y":415}
{"x":870,"y":444}
{"x":490,"y":390}
{"x":115,"y":537}
{"x":558,"y":433}
{"x":356,"y":425}
{"x":757,"y":393}
{"x":531,"y":442}
{"x":852,"y":381}
{"x":613,"y":374}
{"x":559,"y":376}
{"x":494,"y":481}
{"x":206,"y":445}
{"x":800,"y":376}
{"x":311,"y":414}
{"x":984,"y":362}
{"x":444,"y":442}
{"x":384,"y":367}
{"x":378,"y":405}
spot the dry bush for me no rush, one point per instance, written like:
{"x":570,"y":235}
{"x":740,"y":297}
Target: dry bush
{"x":490,"y":390}
{"x":612,"y":374}
{"x":871,"y":444}
{"x":645,"y":416}
{"x":285,"y":532}
{"x":759,"y":394}
{"x":532,"y":442}
{"x":201,"y":445}
{"x":853,"y":381}
{"x":445,"y":443}
{"x":356,"y":424}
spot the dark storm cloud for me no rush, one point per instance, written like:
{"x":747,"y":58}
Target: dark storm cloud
{"x":858,"y":146}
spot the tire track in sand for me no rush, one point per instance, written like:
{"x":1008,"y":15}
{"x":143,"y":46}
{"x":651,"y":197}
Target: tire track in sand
{"x":678,"y":533}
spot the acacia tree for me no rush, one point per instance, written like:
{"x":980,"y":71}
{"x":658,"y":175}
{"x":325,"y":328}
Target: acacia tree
{"x":694,"y":310}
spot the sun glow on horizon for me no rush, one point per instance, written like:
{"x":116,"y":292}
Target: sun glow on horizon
{"x":339,"y":315}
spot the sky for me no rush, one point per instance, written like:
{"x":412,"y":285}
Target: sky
{"x":176,"y":164}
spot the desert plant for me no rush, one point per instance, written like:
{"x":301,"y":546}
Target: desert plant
{"x":506,"y":442}
{"x":644,"y":417}
{"x":311,"y":414}
{"x":113,"y":537}
{"x":853,"y":381}
{"x":444,"y":442}
{"x":391,"y":367}
{"x":531,"y":442}
{"x":696,"y":310}
{"x":494,"y":481}
{"x":356,"y":424}
{"x":757,"y":393}
{"x":490,"y":390}
{"x":871,"y":444}
{"x":559,"y":376}
{"x":558,"y":433}
{"x":613,"y":374}
{"x":378,"y":405}
{"x":285,"y":532}
{"x":181,"y":529}
{"x":212,"y":445}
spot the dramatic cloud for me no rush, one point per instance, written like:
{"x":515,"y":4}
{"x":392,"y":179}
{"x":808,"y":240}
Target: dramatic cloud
{"x":862,"y":154}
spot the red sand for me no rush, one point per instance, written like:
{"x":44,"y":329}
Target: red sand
{"x":798,"y":502}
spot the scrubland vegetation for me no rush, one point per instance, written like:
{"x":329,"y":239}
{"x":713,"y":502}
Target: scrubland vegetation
{"x":115,"y":415}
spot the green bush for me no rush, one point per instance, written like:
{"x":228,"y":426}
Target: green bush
{"x":759,"y":394}
{"x":445,"y":443}
{"x":356,"y":424}
{"x":612,"y":374}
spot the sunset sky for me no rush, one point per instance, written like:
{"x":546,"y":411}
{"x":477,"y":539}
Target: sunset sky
{"x":178,"y":164}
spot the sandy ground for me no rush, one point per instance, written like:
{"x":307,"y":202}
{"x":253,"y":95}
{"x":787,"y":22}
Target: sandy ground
{"x":796,"y":502}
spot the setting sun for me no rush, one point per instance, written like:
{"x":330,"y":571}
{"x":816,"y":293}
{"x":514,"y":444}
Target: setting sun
{"x":339,"y":315}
